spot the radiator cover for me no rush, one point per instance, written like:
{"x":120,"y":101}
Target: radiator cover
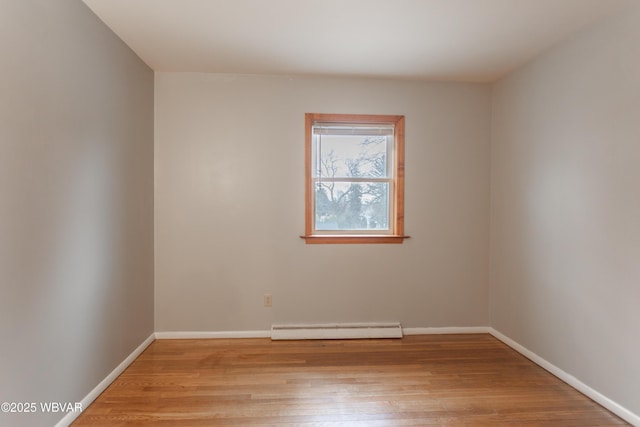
{"x":336,"y":331}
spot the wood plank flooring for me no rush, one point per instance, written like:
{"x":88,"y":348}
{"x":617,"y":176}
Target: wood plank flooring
{"x":422,"y":380}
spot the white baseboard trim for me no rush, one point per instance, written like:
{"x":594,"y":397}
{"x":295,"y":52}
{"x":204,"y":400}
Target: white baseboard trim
{"x":447,"y":330}
{"x":594,"y":395}
{"x":93,"y":394}
{"x":190,"y":335}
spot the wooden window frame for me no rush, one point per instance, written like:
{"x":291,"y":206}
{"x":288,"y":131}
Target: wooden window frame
{"x":396,"y":223}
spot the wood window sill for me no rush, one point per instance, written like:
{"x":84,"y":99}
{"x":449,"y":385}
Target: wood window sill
{"x":353,"y":239}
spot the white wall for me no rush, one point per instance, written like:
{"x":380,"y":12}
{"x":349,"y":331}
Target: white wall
{"x":565,"y":240}
{"x":76,"y":204}
{"x":230,"y":206}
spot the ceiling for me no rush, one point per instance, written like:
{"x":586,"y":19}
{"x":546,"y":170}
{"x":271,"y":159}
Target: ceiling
{"x":451,"y":40}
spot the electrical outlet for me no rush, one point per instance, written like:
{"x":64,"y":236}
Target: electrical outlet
{"x":267,"y":300}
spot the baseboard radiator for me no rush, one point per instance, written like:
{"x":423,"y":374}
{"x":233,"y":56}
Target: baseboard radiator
{"x":336,"y":331}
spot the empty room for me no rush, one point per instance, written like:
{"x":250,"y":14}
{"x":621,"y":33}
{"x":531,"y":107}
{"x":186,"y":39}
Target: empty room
{"x":319,"y":212}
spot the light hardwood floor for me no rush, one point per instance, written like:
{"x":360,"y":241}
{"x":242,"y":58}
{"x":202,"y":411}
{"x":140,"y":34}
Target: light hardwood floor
{"x":422,"y":380}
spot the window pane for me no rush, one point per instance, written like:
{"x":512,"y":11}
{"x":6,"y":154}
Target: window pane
{"x":352,"y":206}
{"x":344,"y":156}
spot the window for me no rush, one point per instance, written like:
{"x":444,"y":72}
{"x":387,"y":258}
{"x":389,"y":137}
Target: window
{"x":354,"y":178}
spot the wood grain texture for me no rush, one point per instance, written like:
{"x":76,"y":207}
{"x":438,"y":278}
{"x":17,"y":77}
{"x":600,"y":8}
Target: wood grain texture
{"x":420,"y":380}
